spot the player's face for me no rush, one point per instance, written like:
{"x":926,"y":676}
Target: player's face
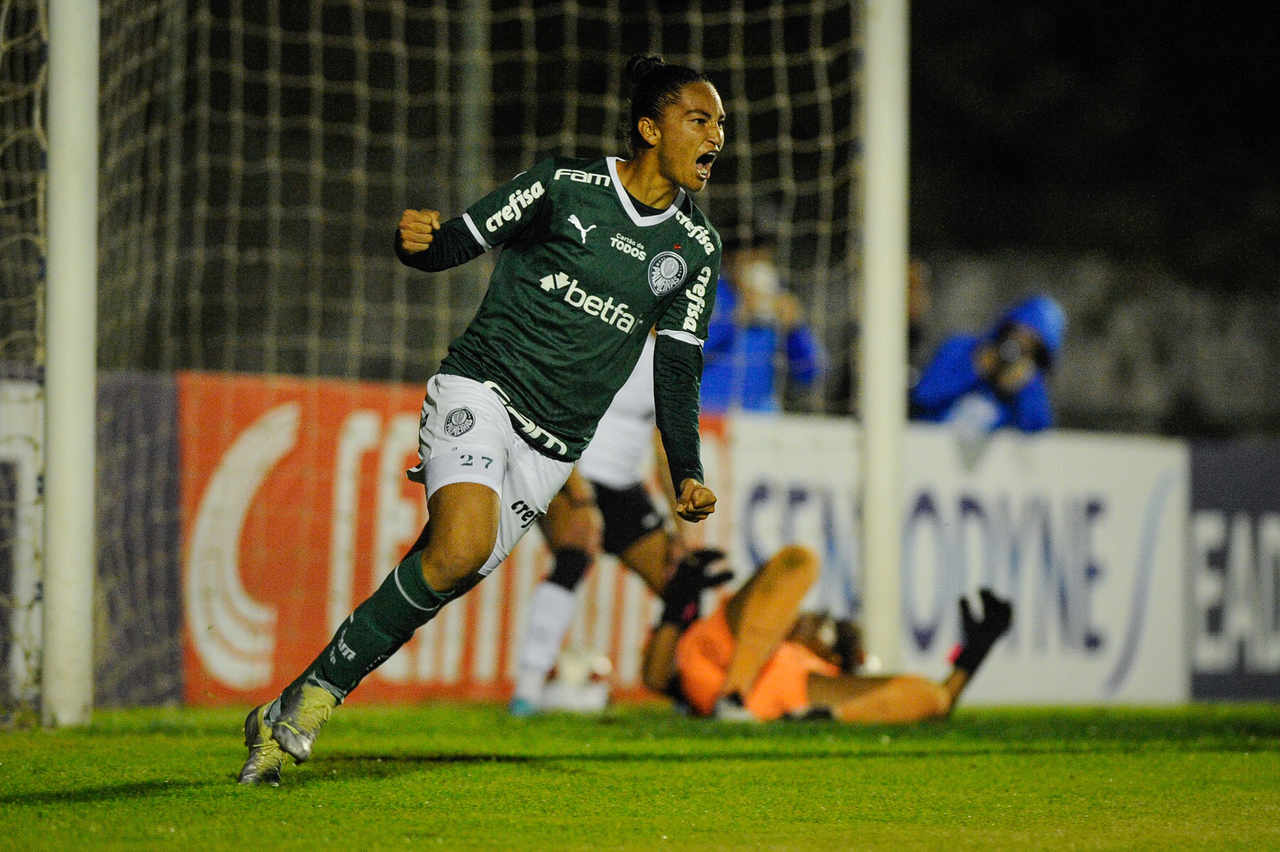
{"x":692,"y":134}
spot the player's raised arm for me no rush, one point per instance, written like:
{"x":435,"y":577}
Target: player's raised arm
{"x":417,"y":228}
{"x":423,"y":242}
{"x":507,"y":211}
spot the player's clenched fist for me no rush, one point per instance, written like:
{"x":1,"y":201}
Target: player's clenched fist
{"x":695,"y":501}
{"x":418,"y":228}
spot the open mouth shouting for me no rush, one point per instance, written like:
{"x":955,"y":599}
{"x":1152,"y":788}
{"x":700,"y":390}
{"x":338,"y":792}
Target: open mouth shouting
{"x":702,"y":165}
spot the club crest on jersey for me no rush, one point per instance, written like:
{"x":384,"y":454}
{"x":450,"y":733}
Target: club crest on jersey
{"x":459,"y":422}
{"x":666,"y":272}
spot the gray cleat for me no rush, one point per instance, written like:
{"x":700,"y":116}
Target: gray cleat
{"x":302,"y":715}
{"x":265,"y":757}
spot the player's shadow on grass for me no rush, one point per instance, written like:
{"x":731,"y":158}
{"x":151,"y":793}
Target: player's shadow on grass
{"x":349,"y":766}
{"x":105,"y":793}
{"x":345,"y":767}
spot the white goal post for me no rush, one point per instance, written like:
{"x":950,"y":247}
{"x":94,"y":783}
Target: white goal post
{"x":70,"y":369}
{"x":883,"y":356}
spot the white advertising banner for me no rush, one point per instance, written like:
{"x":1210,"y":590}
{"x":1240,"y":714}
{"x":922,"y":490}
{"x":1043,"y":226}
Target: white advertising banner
{"x":22,"y":519}
{"x":1083,"y":532}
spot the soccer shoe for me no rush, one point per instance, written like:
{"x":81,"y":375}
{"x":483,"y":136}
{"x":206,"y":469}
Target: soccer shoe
{"x":729,"y":708}
{"x":302,"y":715}
{"x":265,"y":756}
{"x":522,"y":708}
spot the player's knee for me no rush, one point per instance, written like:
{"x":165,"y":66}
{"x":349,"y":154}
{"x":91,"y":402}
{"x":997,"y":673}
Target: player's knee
{"x":797,"y":564}
{"x":571,"y":565}
{"x":578,"y":527}
{"x":450,"y":559}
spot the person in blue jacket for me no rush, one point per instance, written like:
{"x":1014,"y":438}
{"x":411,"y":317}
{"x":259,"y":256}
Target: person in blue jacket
{"x":756,"y":327}
{"x":997,"y":380}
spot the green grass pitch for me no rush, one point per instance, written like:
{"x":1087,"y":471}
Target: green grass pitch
{"x":467,"y":776}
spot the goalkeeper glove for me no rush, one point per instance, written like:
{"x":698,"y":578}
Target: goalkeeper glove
{"x":682,"y":596}
{"x":979,"y":636}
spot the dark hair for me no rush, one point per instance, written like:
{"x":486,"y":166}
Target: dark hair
{"x":654,"y":85}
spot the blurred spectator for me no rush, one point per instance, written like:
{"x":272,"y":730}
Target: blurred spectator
{"x":757,"y":324}
{"x":842,"y":389}
{"x":981,"y":384}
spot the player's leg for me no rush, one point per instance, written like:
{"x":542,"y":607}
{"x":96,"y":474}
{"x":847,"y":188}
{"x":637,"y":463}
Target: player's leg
{"x":572,"y":530}
{"x":650,"y":558}
{"x":460,"y":536}
{"x":405,"y":601}
{"x":909,"y":698}
{"x":466,"y":444}
{"x":632,"y":529}
{"x":886,"y":700}
{"x":761,"y":613}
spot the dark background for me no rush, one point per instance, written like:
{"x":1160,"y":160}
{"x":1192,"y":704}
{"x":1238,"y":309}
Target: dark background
{"x":1139,"y":130}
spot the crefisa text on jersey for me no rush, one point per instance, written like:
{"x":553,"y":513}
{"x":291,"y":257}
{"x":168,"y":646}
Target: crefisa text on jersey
{"x":516,"y":202}
{"x":697,"y":233}
{"x":697,"y":295}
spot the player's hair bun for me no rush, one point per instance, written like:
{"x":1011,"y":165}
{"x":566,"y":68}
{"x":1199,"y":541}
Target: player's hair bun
{"x":640,"y":66}
{"x":654,"y":85}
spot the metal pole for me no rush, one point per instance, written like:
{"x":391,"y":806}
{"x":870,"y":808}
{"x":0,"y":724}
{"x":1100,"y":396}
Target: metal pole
{"x":70,"y":369}
{"x":883,"y":339}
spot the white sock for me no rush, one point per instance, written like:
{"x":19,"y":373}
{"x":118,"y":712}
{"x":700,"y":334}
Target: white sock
{"x":551,"y":609}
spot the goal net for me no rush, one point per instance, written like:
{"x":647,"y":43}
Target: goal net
{"x":254,"y":159}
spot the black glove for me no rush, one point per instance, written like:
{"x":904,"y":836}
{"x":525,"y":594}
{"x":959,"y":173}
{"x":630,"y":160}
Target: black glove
{"x":682,"y":596}
{"x":979,"y":636}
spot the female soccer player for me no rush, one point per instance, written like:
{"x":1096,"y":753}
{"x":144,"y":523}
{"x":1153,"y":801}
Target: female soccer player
{"x":594,"y":254}
{"x":615,"y":503}
{"x":749,"y":660}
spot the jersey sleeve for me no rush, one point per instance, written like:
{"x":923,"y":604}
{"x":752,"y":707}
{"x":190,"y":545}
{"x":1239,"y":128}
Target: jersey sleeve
{"x":510,"y":210}
{"x":677,"y":368}
{"x":451,"y":246}
{"x":688,"y":316}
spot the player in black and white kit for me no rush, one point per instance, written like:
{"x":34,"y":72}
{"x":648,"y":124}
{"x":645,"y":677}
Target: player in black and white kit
{"x":635,"y":529}
{"x":594,"y":254}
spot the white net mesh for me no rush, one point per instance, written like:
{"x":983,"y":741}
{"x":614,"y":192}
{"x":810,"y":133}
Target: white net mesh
{"x":304,"y":128}
{"x":22,"y":241}
{"x":22,"y":70}
{"x":255,"y":157}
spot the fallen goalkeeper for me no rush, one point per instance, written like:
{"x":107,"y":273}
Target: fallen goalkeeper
{"x":757,"y":658}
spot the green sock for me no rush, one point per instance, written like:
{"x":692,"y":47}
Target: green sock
{"x":379,"y":626}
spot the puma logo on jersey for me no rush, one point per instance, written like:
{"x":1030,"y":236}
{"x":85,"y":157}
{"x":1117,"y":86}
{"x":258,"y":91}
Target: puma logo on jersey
{"x":573,"y":220}
{"x":606,"y":310}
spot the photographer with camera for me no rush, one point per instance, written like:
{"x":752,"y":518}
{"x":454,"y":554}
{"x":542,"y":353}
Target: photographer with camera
{"x":981,"y":384}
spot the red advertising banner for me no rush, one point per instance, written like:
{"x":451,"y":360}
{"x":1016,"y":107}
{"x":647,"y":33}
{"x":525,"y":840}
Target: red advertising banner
{"x":295,"y":506}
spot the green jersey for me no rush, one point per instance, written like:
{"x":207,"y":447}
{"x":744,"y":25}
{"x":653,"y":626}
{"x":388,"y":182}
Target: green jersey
{"x":583,"y":275}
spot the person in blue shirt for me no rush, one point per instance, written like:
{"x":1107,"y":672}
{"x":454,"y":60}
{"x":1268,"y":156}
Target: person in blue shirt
{"x":983,"y":383}
{"x":755,"y":321}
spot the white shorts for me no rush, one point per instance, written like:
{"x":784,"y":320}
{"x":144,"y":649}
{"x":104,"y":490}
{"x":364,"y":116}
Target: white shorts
{"x":465,"y":435}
